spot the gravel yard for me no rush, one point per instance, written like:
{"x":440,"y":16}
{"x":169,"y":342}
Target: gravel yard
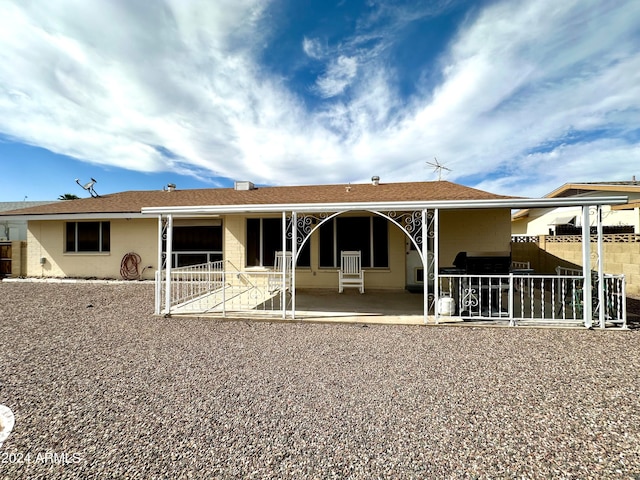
{"x":101,"y":388}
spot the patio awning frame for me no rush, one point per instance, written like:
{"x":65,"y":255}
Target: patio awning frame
{"x":423,"y":209}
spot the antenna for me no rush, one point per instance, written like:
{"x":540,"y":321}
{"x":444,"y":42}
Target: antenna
{"x":89,"y":187}
{"x":438,"y":167}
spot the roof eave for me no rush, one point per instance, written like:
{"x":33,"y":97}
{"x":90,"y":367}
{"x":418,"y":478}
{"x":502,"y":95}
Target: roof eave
{"x":511,"y":203}
{"x":72,"y":216}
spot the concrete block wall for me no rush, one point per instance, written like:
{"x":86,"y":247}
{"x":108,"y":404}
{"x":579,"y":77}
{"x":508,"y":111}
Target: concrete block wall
{"x":18,"y":258}
{"x":619,"y":258}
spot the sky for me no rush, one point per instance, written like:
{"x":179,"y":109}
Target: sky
{"x":513,"y":97}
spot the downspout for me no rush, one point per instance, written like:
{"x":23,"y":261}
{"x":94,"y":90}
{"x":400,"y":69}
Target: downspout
{"x":167,"y":299}
{"x":586,"y":269}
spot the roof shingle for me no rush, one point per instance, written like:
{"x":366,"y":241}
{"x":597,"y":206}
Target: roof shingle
{"x":134,"y":201}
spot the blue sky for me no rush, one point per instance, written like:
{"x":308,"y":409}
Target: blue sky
{"x":515,"y":97}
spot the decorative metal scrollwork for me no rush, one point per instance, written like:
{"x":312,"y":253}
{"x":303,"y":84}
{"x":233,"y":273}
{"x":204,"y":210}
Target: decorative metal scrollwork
{"x":431,"y":302}
{"x":305,"y":224}
{"x":411,"y":222}
{"x":163,"y":236}
{"x":469,"y":299}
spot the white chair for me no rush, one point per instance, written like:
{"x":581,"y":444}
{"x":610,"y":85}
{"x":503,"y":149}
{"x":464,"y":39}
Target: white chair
{"x":520,"y":265}
{"x":275,"y":278}
{"x":350,"y":273}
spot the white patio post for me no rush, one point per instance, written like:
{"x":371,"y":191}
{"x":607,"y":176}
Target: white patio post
{"x":425,"y":266}
{"x":169,"y":261}
{"x":586,"y":268}
{"x":294,"y":260}
{"x":436,"y":254}
{"x":601,"y":286}
{"x":283,"y":291}
{"x":158,"y":276}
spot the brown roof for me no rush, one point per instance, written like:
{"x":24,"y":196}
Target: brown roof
{"x":134,"y":201}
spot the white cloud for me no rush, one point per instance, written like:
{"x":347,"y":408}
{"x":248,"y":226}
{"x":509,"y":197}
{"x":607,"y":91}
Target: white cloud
{"x":338,"y":77}
{"x":313,"y":48}
{"x":518,"y":78}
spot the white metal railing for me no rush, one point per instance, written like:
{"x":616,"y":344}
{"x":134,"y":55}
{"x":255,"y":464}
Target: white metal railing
{"x":521,"y":299}
{"x":188,"y":283}
{"x":207,"y":256}
{"x":222,"y":288}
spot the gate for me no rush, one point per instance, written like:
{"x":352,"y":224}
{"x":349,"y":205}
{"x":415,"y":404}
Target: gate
{"x":5,"y":259}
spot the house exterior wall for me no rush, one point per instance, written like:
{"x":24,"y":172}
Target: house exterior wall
{"x":315,"y":276}
{"x":45,"y":239}
{"x":473,"y":231}
{"x":463,"y":230}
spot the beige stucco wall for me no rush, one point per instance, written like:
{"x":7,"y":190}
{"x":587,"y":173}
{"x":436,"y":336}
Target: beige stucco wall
{"x":466,"y":230}
{"x":45,"y":239}
{"x":473,"y":230}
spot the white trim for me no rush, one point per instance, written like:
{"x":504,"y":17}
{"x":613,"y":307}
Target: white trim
{"x":73,"y":217}
{"x":169,"y":251}
{"x":513,"y":203}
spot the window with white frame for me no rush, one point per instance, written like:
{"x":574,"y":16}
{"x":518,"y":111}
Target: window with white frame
{"x":369,"y":235}
{"x":88,"y":237}
{"x":264,"y":239}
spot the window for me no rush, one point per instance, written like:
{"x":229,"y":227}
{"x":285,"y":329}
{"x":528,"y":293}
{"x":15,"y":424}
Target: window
{"x":196,"y":244}
{"x":367,"y":234}
{"x":88,"y":237}
{"x":264,"y":239}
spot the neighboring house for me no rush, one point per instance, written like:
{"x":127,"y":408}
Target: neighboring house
{"x":232,"y":236}
{"x":14,"y":230}
{"x":13,"y":234}
{"x":568,"y":220}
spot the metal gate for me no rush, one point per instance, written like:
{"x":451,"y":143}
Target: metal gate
{"x":5,"y":259}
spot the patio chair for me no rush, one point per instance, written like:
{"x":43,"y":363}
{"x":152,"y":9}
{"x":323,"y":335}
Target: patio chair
{"x":515,"y":265}
{"x":275,"y":278}
{"x":350,"y":274}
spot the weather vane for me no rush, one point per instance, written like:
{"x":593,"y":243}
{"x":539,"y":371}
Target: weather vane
{"x":438,"y":167}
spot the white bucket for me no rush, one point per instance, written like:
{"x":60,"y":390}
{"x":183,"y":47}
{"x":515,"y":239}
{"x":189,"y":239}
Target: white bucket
{"x":446,"y":306}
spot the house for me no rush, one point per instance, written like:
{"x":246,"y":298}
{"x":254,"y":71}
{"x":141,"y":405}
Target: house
{"x":209,"y":248}
{"x":13,"y":234}
{"x":567,"y":220}
{"x":15,"y":230}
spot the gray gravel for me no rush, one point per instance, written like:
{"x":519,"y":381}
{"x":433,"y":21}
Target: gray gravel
{"x":107,"y":390}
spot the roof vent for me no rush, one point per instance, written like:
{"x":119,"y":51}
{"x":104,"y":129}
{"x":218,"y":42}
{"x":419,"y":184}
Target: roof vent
{"x":375,"y":180}
{"x":171,"y":187}
{"x":244,"y":185}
